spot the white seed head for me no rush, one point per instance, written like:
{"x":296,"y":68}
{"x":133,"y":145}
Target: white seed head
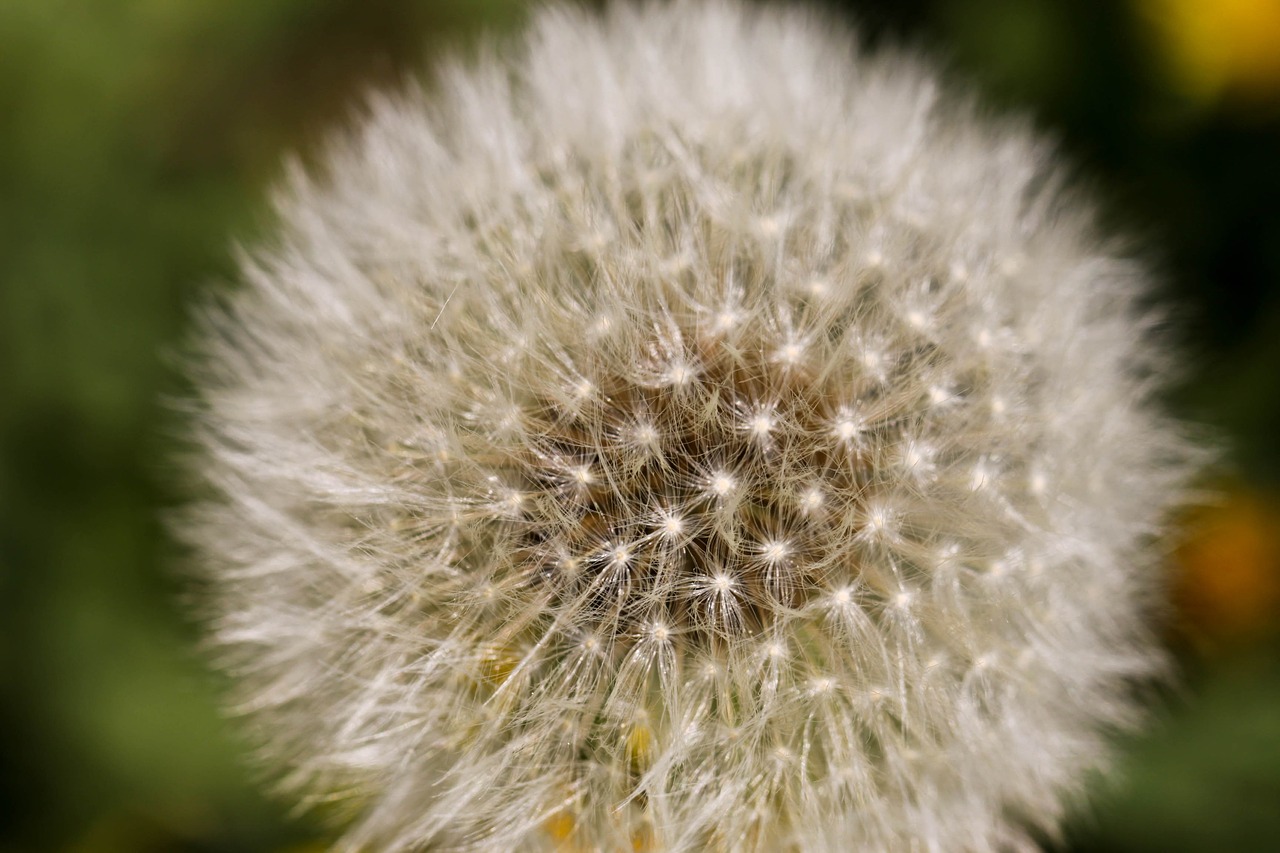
{"x":677,"y":432}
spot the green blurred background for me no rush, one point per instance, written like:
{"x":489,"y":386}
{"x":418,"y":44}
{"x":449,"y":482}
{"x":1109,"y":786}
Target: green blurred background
{"x":138,"y":140}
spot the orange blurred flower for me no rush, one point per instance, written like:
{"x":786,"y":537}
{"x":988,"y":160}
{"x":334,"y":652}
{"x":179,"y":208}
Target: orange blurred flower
{"x":1228,"y":584}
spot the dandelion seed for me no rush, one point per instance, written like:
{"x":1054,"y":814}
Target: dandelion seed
{"x":819,"y":288}
{"x":811,"y":499}
{"x":722,"y":584}
{"x":790,"y":354}
{"x":601,"y":327}
{"x":679,"y":375}
{"x":722,"y":484}
{"x":774,"y":551}
{"x":645,"y":435}
{"x":670,"y":524}
{"x":725,"y":321}
{"x":1038,"y":484}
{"x":847,"y":427}
{"x":820,"y":686}
{"x":620,"y":556}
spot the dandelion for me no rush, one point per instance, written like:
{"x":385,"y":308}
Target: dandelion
{"x":682,"y":433}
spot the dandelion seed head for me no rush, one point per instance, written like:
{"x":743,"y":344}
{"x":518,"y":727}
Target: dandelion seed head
{"x":683,"y":432}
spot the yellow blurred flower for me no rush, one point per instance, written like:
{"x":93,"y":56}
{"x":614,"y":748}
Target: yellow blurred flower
{"x":1219,"y":46}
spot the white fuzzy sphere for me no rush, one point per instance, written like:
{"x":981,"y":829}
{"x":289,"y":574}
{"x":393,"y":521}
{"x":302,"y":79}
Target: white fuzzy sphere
{"x":683,"y":433}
